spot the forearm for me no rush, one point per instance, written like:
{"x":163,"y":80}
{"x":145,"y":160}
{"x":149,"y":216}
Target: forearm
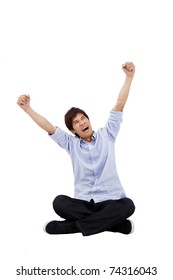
{"x":40,"y":120}
{"x":123,"y":95}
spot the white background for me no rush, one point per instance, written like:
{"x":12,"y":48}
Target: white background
{"x":69,"y":53}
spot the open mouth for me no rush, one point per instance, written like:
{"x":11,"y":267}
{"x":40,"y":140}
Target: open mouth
{"x":85,"y":129}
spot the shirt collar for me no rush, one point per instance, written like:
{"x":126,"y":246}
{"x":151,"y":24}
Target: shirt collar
{"x":93,"y":137}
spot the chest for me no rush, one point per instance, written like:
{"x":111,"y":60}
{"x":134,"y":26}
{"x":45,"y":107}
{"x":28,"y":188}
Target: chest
{"x":96,"y":151}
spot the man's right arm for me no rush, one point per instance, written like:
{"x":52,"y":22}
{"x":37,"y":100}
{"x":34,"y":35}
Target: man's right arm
{"x":24,"y":102}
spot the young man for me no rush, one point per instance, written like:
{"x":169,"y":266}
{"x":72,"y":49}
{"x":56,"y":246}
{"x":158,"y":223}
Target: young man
{"x":100,"y":203}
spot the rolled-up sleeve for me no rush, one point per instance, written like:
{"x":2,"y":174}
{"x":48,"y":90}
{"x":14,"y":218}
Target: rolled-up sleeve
{"x":113,"y":124}
{"x":62,"y":138}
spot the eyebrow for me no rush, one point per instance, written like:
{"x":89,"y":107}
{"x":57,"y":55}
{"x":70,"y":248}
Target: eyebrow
{"x":76,"y":120}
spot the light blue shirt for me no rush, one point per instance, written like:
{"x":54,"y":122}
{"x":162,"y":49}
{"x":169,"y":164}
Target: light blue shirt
{"x":94,"y":167}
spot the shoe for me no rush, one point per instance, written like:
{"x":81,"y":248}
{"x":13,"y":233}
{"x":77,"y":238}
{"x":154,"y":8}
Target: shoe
{"x":126,"y":227}
{"x":60,"y":227}
{"x":132,"y":227}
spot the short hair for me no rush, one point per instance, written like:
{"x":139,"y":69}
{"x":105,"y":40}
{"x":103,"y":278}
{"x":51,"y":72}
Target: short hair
{"x":71,"y":113}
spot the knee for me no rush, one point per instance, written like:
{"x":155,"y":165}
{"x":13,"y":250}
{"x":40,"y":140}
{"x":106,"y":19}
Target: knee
{"x":128,"y":205}
{"x":131,"y":206}
{"x":58,"y":202}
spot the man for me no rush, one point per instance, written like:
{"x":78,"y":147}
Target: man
{"x":100,"y":203}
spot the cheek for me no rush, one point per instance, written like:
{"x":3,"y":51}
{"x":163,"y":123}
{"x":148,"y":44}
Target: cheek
{"x":76,"y":127}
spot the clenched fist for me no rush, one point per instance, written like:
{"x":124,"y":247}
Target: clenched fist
{"x":23,"y":101}
{"x":129,"y":69}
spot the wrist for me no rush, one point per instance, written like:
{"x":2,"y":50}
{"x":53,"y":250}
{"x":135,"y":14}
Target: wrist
{"x":128,"y":80}
{"x":27,"y":110}
{"x":129,"y":77}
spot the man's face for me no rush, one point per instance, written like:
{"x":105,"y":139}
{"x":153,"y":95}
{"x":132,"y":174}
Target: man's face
{"x":82,"y":127}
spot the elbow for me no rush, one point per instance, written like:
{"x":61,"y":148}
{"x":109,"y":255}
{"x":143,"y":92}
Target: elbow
{"x":52,"y":130}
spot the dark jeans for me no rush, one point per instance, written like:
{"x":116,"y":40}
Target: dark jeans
{"x":90,"y":217}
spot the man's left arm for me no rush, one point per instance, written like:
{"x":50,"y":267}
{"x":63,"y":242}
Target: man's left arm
{"x":129,"y":70}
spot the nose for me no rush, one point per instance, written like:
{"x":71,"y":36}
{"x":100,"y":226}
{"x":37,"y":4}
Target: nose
{"x":81,"y":122}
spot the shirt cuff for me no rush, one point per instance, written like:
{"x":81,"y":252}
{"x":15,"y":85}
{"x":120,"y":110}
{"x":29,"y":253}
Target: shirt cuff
{"x":116,"y":115}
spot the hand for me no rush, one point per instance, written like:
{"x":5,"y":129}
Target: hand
{"x":24,"y":101}
{"x":129,"y":69}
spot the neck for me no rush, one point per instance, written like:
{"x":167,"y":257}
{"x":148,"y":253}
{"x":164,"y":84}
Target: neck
{"x":88,"y":139}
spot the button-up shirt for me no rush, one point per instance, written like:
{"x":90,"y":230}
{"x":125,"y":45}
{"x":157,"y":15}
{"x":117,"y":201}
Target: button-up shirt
{"x":94,"y":167}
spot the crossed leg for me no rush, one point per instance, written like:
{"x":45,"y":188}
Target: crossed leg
{"x":90,"y":217}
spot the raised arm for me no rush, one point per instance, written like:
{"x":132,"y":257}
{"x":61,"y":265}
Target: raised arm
{"x":24,"y":103}
{"x":129,"y":70}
